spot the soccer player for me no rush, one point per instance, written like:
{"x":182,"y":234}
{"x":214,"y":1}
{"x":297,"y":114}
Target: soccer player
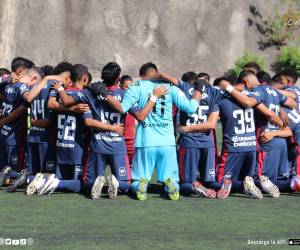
{"x":272,"y":155}
{"x":71,"y":136}
{"x":197,"y":148}
{"x":130,"y":121}
{"x":155,"y":140}
{"x":13,"y":131}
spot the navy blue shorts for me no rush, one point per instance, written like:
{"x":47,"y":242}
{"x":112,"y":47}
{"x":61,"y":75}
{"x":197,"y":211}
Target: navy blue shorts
{"x":69,"y":172}
{"x":96,"y":164}
{"x":274,"y":164}
{"x":13,"y":156}
{"x":41,"y":157}
{"x":192,"y":160}
{"x":236,"y":165}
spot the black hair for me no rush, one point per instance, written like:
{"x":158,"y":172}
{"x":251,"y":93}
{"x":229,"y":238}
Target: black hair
{"x":90,"y":78}
{"x":276,"y":78}
{"x":189,"y":76}
{"x":145,"y":67}
{"x":263,"y":77}
{"x":218,"y":80}
{"x":290,"y":72}
{"x":21,"y":62}
{"x":204,"y":75}
{"x":244,"y":74}
{"x":252,"y":65}
{"x":272,"y":83}
{"x":125,"y":78}
{"x":62,"y":67}
{"x":48,"y":69}
{"x":77,"y":72}
{"x":110,"y":73}
{"x":4,"y":71}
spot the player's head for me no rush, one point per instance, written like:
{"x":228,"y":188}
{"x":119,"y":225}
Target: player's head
{"x":63,"y":69}
{"x":79,"y":75}
{"x":111,"y":74}
{"x":288,"y":76}
{"x":90,"y":78}
{"x":275,"y":85}
{"x":248,"y":78}
{"x":204,"y":76}
{"x":32,"y":76}
{"x":218,"y":80}
{"x":148,"y":69}
{"x":20,"y":64}
{"x":190,"y":77}
{"x":252,"y":66}
{"x":276,"y":78}
{"x":263,"y":77}
{"x":4,"y":71}
{"x":47,"y":69}
{"x":125,"y":81}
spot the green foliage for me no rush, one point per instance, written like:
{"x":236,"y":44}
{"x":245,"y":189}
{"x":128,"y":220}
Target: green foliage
{"x":248,"y":56}
{"x":289,"y":57}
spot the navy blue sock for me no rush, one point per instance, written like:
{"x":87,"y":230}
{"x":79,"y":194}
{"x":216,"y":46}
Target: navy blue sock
{"x":30,"y":178}
{"x":14,"y":175}
{"x":284,"y":185}
{"x":69,"y":185}
{"x":213,"y":185}
{"x":124,"y":186}
{"x":187,"y":188}
{"x":237,"y":187}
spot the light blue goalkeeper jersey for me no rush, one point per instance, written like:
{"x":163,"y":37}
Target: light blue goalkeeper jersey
{"x":157,"y":129}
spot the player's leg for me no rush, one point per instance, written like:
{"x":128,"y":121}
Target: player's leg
{"x":48,"y":158}
{"x":5,"y":168}
{"x":188,"y":164}
{"x":73,"y":182}
{"x":167,"y":170}
{"x":267,"y":170}
{"x":121,"y":175}
{"x":141,"y":170}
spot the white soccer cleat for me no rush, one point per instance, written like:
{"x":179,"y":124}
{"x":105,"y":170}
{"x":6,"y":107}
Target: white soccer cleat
{"x":269,"y":187}
{"x":97,"y":187}
{"x":50,"y":185}
{"x":113,"y":185}
{"x":250,"y":188}
{"x":36,"y":184}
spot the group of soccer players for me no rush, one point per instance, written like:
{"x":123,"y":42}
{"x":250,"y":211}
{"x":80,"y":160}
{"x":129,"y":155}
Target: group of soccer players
{"x":59,"y":131}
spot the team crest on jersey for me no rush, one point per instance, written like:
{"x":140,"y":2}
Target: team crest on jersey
{"x":9,"y":89}
{"x":14,"y":159}
{"x":191,"y":91}
{"x":50,"y":165}
{"x":122,"y":171}
{"x":80,"y":95}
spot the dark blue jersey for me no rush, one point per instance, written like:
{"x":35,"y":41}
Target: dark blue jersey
{"x":14,"y":133}
{"x":208,"y":104}
{"x":104,"y":142}
{"x":294,"y":118}
{"x":238,"y":125}
{"x":296,"y":91}
{"x":70,"y":134}
{"x":272,"y":99}
{"x":38,"y":111}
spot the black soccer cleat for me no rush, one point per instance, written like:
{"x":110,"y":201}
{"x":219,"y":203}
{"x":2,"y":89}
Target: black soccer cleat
{"x":18,"y":182}
{"x":4,"y":174}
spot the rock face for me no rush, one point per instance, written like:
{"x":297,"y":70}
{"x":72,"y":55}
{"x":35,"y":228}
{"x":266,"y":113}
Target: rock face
{"x":177,"y":35}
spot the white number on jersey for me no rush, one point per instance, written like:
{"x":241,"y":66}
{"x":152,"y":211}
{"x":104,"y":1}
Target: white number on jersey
{"x":199,"y":117}
{"x":245,"y":119}
{"x":66,"y":127}
{"x":37,"y":107}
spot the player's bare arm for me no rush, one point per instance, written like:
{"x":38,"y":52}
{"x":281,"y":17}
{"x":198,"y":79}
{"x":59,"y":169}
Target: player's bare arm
{"x":204,"y":127}
{"x":270,"y":115}
{"x":95,"y":124}
{"x":288,"y":93}
{"x":13,"y":115}
{"x":41,"y":123}
{"x":66,"y":100}
{"x":267,"y":136}
{"x":53,"y":104}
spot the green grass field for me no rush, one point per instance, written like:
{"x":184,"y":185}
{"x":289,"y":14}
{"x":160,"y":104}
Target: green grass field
{"x":73,"y":221}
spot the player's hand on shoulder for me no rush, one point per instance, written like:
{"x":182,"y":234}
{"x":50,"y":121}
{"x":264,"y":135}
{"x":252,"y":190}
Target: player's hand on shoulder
{"x":182,"y":129}
{"x":120,"y":129}
{"x":266,"y":137}
{"x":80,"y":108}
{"x":223,"y":84}
{"x":200,"y":85}
{"x":56,"y":85}
{"x":160,"y":91}
{"x":98,"y":88}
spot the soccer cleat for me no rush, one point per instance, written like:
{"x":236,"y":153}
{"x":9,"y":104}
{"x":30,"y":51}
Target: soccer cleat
{"x":4,"y":174}
{"x":50,"y":185}
{"x":171,"y":189}
{"x":202,"y":191}
{"x":113,"y":185}
{"x":224,"y":192}
{"x":19,"y":182}
{"x":250,"y":188}
{"x":141,"y":192}
{"x":269,"y":187}
{"x":295,"y":183}
{"x":36,"y":184}
{"x":97,"y":187}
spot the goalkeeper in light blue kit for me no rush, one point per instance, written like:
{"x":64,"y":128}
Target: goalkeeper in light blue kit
{"x":155,"y":145}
